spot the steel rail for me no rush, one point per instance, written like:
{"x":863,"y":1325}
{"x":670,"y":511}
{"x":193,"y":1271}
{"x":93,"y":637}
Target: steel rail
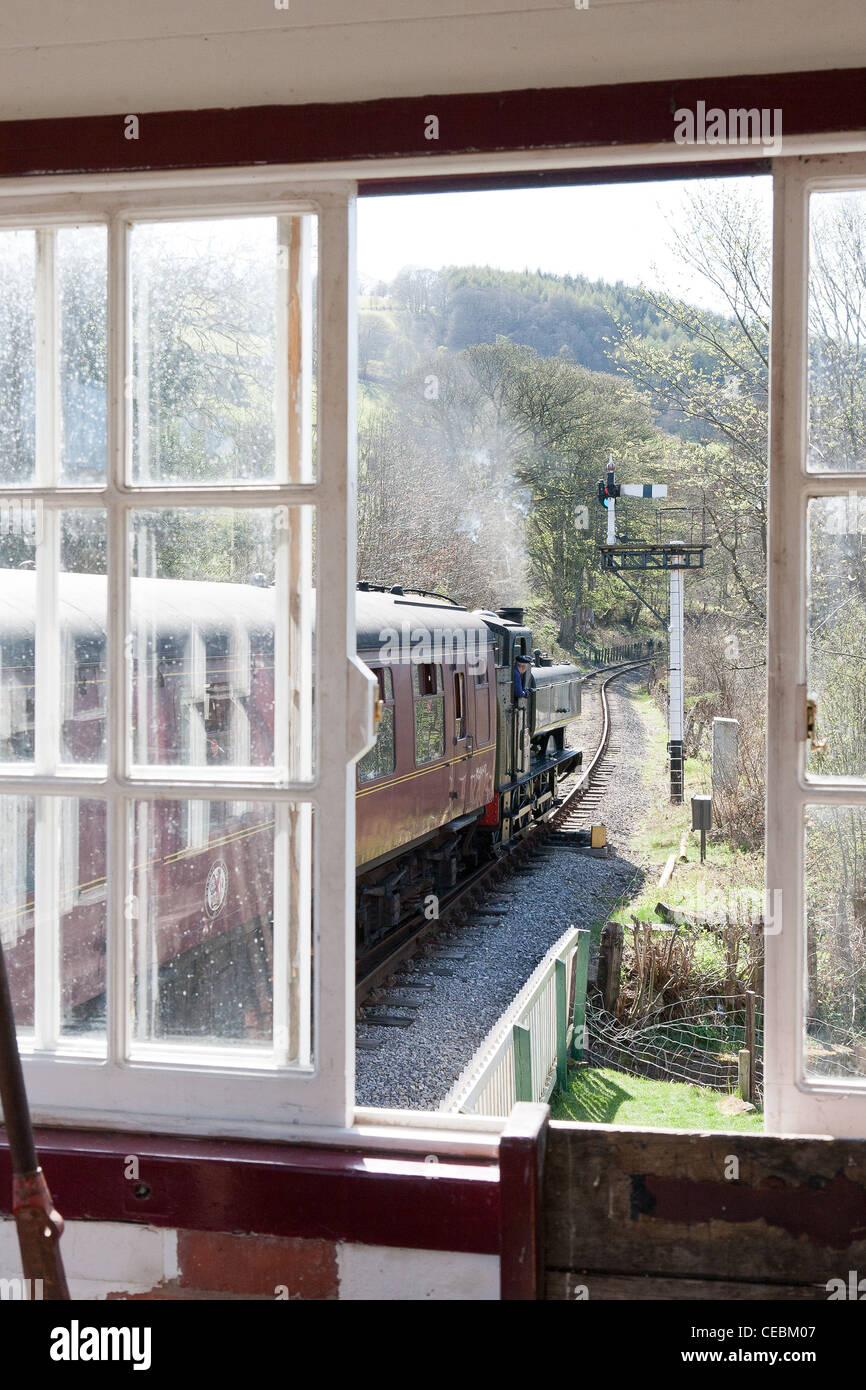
{"x":579,"y":790}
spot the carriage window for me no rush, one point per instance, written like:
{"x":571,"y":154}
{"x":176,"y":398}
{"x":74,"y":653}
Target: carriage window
{"x":429,"y":713}
{"x":381,"y":759}
{"x":261,"y":697}
{"x":459,"y":705}
{"x":426,"y":678}
{"x":482,"y":709}
{"x":89,"y":680}
{"x":17,"y":685}
{"x":217,"y":705}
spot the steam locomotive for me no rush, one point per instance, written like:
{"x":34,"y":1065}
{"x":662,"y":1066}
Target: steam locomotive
{"x":460,"y":768}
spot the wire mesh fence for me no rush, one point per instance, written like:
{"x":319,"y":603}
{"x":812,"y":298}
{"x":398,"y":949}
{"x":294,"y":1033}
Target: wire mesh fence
{"x":697,"y":1041}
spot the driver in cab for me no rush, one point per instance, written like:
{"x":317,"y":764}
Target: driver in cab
{"x":521,"y":678}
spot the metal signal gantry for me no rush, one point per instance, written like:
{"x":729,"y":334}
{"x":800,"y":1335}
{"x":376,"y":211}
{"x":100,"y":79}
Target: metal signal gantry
{"x":675,"y":557}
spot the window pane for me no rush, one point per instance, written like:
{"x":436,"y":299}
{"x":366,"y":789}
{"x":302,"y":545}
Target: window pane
{"x":221,"y":323}
{"x":837,"y":332}
{"x":82,"y":920}
{"x":208,"y":919}
{"x":429,"y":729}
{"x":83,"y":619}
{"x":17,"y":357}
{"x":836,"y":634}
{"x":17,"y":663}
{"x":66,"y":837}
{"x":424,"y":678}
{"x":835,"y":1042}
{"x":75,"y":638}
{"x":380,"y":760}
{"x":80,"y":274}
{"x":203,"y":601}
{"x":17,"y":869}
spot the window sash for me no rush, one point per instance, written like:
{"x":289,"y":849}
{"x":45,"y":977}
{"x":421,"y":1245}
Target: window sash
{"x":180,"y":1089}
{"x":793,"y":1102}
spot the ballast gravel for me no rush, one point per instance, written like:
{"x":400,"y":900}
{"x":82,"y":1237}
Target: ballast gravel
{"x":478,"y":967}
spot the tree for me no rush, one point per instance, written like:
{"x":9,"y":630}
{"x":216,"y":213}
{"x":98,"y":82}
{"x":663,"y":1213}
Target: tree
{"x":374,"y":338}
{"x":726,"y":240}
{"x":516,"y":443}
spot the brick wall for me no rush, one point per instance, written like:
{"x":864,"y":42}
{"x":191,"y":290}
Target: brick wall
{"x":120,"y":1260}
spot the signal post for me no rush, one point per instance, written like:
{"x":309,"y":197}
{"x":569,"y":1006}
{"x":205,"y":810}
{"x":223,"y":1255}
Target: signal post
{"x":621,"y":556}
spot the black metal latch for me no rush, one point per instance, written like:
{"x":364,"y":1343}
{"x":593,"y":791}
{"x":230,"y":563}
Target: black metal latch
{"x":811,"y":725}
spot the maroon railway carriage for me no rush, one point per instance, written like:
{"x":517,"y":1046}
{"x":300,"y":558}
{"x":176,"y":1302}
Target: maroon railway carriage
{"x":424,"y":785}
{"x":458,"y":768}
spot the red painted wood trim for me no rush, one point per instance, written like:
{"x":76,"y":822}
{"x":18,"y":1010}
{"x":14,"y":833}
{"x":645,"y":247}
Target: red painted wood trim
{"x":521,"y":1165}
{"x":270,"y":1189}
{"x":562,"y":178}
{"x":479,"y":122}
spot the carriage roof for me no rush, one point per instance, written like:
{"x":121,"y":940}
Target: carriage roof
{"x":169,"y":605}
{"x":174,"y":605}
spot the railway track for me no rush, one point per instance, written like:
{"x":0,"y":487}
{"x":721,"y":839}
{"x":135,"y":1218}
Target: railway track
{"x":574,"y":813}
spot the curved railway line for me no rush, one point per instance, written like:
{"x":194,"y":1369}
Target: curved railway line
{"x":572,"y":814}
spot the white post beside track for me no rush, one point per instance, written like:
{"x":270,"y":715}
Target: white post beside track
{"x":675,"y":711}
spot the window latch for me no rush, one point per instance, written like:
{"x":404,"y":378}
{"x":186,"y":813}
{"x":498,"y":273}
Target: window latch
{"x":817,"y":746}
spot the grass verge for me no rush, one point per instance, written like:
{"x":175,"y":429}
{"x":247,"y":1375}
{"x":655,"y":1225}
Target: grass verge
{"x":599,"y":1095}
{"x":728,"y":877}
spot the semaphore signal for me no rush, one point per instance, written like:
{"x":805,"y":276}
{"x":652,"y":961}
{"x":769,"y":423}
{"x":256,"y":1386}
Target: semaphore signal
{"x":674,"y":556}
{"x":609,"y":490}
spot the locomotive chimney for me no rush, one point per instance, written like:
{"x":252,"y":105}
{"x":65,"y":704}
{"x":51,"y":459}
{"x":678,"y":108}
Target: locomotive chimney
{"x":511,"y":615}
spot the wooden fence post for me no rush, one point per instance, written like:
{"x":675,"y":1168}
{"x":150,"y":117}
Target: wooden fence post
{"x":610,"y":964}
{"x":743,"y":1073}
{"x":751,"y":1041}
{"x":580,"y":972}
{"x":561,"y":1024}
{"x":522,"y":1062}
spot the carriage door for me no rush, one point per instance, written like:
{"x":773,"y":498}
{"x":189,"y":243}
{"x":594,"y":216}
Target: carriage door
{"x":463,"y":707}
{"x":815,"y":908}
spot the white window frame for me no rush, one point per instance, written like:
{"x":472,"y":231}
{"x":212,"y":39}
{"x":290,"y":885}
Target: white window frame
{"x":21,"y":201}
{"x":190,"y":1091}
{"x":793,"y":1101}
